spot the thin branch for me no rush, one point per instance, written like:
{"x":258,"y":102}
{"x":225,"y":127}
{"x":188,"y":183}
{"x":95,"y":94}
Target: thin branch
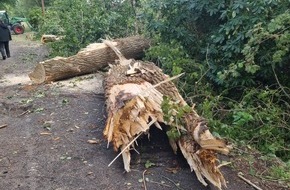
{"x":177,"y":186}
{"x":27,"y":111}
{"x":282,"y":88}
{"x":151,"y":123}
{"x":125,"y":149}
{"x":206,"y":58}
{"x":144,"y":181}
{"x":240,"y":175}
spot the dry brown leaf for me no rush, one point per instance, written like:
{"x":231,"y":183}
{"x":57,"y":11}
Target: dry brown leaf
{"x":173,"y":170}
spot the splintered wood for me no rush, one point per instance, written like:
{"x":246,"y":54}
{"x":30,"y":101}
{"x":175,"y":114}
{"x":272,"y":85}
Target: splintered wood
{"x":135,"y":91}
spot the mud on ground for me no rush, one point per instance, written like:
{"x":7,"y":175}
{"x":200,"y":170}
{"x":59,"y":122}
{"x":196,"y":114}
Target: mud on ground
{"x":45,"y":144}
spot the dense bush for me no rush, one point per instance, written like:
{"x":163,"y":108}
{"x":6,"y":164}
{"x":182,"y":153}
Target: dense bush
{"x":83,"y":22}
{"x":236,"y":59}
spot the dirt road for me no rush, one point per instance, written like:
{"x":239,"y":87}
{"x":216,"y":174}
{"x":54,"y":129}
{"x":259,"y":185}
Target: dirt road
{"x":44,"y":145}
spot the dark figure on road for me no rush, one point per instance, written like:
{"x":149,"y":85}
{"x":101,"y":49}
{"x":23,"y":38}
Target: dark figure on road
{"x":5,"y":37}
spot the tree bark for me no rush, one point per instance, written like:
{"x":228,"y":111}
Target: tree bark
{"x":91,"y":59}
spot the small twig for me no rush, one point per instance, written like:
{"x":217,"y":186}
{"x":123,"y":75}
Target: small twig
{"x":206,"y":58}
{"x":136,"y":150}
{"x":224,"y":164}
{"x":167,"y":80}
{"x":27,"y":111}
{"x":240,"y":175}
{"x":278,"y":82}
{"x":165,"y":185}
{"x":125,"y":149}
{"x":3,"y":126}
{"x":158,"y":84}
{"x":45,"y":133}
{"x":172,"y":182}
{"x":144,"y":181}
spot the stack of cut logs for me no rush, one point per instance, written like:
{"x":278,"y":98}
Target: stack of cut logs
{"x":135,"y":91}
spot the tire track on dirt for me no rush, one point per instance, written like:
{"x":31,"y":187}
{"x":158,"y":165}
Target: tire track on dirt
{"x":31,"y":166}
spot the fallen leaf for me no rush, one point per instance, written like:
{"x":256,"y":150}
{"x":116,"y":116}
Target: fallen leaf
{"x":173,"y":170}
{"x":149,"y":164}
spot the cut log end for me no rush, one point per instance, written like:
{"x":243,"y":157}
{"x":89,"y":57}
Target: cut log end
{"x":38,"y":75}
{"x":90,"y":59}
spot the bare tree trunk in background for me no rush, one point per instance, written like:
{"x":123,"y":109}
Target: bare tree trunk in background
{"x":133,"y":3}
{"x":43,"y":8}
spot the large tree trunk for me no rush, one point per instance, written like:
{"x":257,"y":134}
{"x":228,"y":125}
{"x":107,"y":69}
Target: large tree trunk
{"x":136,"y":93}
{"x":91,"y":59}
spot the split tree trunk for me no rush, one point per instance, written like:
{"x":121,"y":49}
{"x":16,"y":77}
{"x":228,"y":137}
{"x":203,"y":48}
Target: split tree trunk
{"x":93,"y":58}
{"x":135,"y":92}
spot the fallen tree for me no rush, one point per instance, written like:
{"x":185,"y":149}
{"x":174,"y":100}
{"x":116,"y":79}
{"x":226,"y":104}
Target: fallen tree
{"x":91,"y":59}
{"x":139,"y":95}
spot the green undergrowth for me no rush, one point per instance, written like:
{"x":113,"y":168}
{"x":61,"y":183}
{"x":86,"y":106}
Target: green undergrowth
{"x":256,"y":116}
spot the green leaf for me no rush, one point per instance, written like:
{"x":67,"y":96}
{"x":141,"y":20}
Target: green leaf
{"x":149,"y":164}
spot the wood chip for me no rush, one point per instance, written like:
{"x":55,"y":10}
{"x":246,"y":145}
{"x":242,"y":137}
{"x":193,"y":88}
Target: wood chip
{"x":45,"y":133}
{"x":89,"y":173}
{"x":93,"y":141}
{"x":3,"y":126}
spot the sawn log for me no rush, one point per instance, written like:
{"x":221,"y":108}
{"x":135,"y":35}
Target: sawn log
{"x":91,"y":59}
{"x":50,"y":38}
{"x":136,"y":93}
